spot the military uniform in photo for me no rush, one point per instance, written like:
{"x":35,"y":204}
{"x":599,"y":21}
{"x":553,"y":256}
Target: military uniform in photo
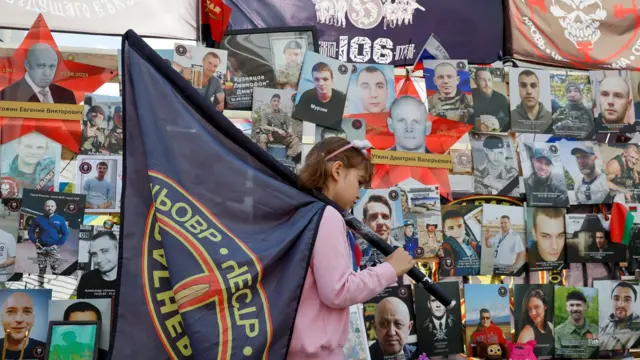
{"x":593,"y":191}
{"x":620,"y":330}
{"x":576,"y":340}
{"x":573,"y":119}
{"x":545,"y":191}
{"x":496,"y":179}
{"x":628,"y":180}
{"x":280,"y":120}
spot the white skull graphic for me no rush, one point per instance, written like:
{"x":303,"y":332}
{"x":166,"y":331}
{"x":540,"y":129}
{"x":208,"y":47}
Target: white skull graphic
{"x":4,"y":189}
{"x":579,"y":18}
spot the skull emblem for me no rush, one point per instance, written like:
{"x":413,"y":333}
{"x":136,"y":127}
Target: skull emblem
{"x":4,"y":189}
{"x":580,"y":19}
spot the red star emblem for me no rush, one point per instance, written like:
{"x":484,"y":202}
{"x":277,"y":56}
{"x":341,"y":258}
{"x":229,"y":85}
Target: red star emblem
{"x":77,"y":77}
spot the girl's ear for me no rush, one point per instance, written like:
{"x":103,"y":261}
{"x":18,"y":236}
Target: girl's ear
{"x":336,"y":169}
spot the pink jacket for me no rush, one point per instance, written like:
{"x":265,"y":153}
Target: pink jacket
{"x":331,"y":286}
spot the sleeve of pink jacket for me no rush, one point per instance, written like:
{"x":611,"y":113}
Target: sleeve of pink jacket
{"x":338,"y":285}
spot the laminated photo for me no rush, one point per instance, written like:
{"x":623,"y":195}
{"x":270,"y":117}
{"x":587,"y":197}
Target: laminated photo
{"x":371,"y":89}
{"x":9,"y":237}
{"x":273,"y":128}
{"x":357,"y":346}
{"x":322,"y":90}
{"x":622,"y":168}
{"x":393,"y":305}
{"x":613,"y":100}
{"x":462,"y":244}
{"x":587,"y":182}
{"x":439,"y":329}
{"x":543,"y":172}
{"x":589,"y":240}
{"x":31,"y":161}
{"x":576,"y":308}
{"x":530,"y":99}
{"x":25,"y":322}
{"x":98,"y":261}
{"x":572,"y":104}
{"x":381,"y":211}
{"x":495,"y":167}
{"x":490,"y":102}
{"x":102,"y":132}
{"x":50,"y":223}
{"x":503,"y":233}
{"x":533,"y":315}
{"x":85,"y":310}
{"x":422,"y":220}
{"x":619,"y":311}
{"x":351,"y":129}
{"x":204,"y":68}
{"x":100,"y":179}
{"x":448,"y":89}
{"x":488,"y":319}
{"x":546,"y":238}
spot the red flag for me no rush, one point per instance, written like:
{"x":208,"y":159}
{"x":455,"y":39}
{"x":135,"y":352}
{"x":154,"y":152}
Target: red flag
{"x":216,"y":14}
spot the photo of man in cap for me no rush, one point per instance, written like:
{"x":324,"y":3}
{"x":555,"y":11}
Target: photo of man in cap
{"x":620,"y":330}
{"x":409,"y":125}
{"x":592,"y":188}
{"x":543,"y":187}
{"x":287,"y":76}
{"x":577,"y":337}
{"x":93,"y":135}
{"x":411,"y":240}
{"x":449,"y":101}
{"x":493,"y":174}
{"x":573,"y":119}
{"x":113,"y":142}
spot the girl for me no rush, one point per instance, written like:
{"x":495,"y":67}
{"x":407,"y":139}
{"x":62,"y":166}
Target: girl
{"x":339,"y":169}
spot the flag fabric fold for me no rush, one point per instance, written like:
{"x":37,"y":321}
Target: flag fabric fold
{"x":621,"y":225}
{"x":216,"y":237}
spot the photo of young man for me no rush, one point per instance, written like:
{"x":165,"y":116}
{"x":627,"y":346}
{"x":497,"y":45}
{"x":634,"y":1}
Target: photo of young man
{"x":204,"y":68}
{"x":619,"y":317}
{"x":543,"y":174}
{"x":547,"y":238}
{"x":613,"y":97}
{"x":25,"y":321}
{"x":576,"y":333}
{"x":461,"y":248}
{"x":101,"y":281}
{"x":287,"y":54}
{"x":439,"y":329}
{"x":582,"y":162}
{"x":495,"y":165}
{"x":448,"y":89}
{"x":371,"y":89}
{"x":621,"y":166}
{"x":100,"y":179}
{"x":504,"y":246}
{"x":530,"y":99}
{"x":572,"y":91}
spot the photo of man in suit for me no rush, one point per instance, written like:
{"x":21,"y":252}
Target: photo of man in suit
{"x":37,"y":84}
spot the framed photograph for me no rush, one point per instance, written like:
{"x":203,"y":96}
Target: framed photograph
{"x":447,"y":79}
{"x":73,"y":339}
{"x":572,"y":104}
{"x":102,"y":125}
{"x":31,"y":161}
{"x":205,"y":68}
{"x":530,"y":98}
{"x":613,"y":97}
{"x":85,"y":310}
{"x":270,"y":58}
{"x":30,"y":309}
{"x":100,"y":179}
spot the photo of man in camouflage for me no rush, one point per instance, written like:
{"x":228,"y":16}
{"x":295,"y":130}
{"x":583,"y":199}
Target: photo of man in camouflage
{"x":573,"y":119}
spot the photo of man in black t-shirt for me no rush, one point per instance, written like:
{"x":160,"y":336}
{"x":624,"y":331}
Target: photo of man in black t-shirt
{"x":324,"y":103}
{"x":101,"y":282}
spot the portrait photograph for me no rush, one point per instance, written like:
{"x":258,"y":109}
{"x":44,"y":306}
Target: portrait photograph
{"x":503,"y":234}
{"x":448,"y":87}
{"x":576,"y":307}
{"x":572,"y":104}
{"x":25,"y":320}
{"x":205,"y":69}
{"x":546,"y":238}
{"x":622,"y":168}
{"x":422,"y":220}
{"x":490,"y":99}
{"x":9,"y":237}
{"x":543,"y":174}
{"x":589,"y":240}
{"x":587,"y":182}
{"x":351,"y":129}
{"x":50,"y":223}
{"x":488,"y":318}
{"x":439,"y":329}
{"x":273,"y":128}
{"x":31,"y":161}
{"x":75,"y":340}
{"x":613,"y":99}
{"x":495,"y":167}
{"x":102,"y":127}
{"x":462,"y":230}
{"x":533,"y":316}
{"x":270,"y":57}
{"x":98,"y":261}
{"x":322,"y":90}
{"x":406,"y":127}
{"x":371,"y":89}
{"x":85,"y":310}
{"x":530,"y":99}
{"x":100,"y":179}
{"x":395,"y":304}
{"x":619,"y":315}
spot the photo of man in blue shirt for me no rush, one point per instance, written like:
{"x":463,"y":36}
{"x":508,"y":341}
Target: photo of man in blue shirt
{"x":98,"y":189}
{"x":48,"y":232}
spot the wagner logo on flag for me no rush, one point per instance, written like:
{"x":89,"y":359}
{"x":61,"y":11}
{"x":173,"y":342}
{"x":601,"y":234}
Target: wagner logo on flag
{"x":226,"y":291}
{"x":578,"y":32}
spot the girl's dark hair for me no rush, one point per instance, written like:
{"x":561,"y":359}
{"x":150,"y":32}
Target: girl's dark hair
{"x":525,"y":319}
{"x":316,"y":170}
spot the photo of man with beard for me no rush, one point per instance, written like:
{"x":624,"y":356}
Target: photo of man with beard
{"x":582,"y":162}
{"x":544,"y":175}
{"x":572,"y":90}
{"x":614,"y":101}
{"x":490,"y":103}
{"x":576,"y":332}
{"x":530,"y":98}
{"x":619,"y":317}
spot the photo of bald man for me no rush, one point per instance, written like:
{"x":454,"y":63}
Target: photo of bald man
{"x":614,"y":110}
{"x":448,"y":89}
{"x":25,"y":320}
{"x":37,"y":85}
{"x":409,"y":125}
